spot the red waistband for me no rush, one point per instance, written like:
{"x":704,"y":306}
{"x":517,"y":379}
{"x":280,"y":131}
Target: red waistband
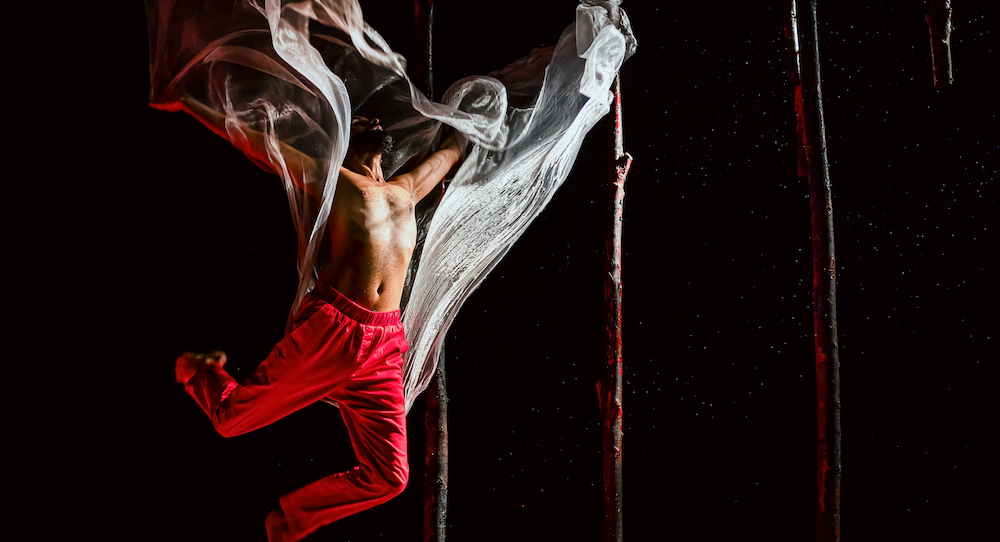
{"x":354,"y":311}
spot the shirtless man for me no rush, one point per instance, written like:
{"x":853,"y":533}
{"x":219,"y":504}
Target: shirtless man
{"x":346,"y":341}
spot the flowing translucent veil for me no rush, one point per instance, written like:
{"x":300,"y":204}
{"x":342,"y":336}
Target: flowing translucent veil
{"x":291,"y":75}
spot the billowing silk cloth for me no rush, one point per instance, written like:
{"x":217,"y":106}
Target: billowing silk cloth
{"x":292,"y":74}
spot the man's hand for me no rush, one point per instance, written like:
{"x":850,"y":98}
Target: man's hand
{"x":453,"y":139}
{"x":189,"y":364}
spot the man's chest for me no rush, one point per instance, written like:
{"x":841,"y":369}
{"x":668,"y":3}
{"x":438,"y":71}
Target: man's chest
{"x":379,"y":211}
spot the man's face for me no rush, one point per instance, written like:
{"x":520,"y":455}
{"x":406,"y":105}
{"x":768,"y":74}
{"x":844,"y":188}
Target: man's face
{"x":367,"y":136}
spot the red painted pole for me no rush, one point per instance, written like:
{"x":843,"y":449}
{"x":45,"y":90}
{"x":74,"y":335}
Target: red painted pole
{"x":609,"y":388}
{"x":809,"y":107}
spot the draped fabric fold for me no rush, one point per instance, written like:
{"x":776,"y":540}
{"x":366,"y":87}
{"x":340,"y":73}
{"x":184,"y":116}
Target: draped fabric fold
{"x":287,"y":76}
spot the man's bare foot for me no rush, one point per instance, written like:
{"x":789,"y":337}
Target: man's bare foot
{"x":189,"y":364}
{"x":276,"y":526}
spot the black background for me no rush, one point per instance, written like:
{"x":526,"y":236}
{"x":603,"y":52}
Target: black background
{"x":154,"y":237}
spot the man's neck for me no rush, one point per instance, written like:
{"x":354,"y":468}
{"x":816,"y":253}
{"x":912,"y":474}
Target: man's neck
{"x":367,"y":164}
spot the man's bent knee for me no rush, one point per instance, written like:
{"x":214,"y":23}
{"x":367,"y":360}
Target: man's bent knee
{"x":227,"y":431}
{"x":396,"y":481}
{"x":230,"y":426}
{"x":388,"y":484}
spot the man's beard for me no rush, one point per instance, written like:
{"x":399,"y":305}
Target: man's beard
{"x":374,"y":141}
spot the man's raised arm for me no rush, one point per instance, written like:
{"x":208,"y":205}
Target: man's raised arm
{"x":422,"y":179}
{"x":301,"y":167}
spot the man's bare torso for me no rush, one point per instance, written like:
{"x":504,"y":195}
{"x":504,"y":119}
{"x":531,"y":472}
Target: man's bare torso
{"x":372,"y":231}
{"x":372,"y":228}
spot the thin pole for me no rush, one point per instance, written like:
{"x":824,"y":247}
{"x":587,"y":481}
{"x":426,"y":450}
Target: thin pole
{"x":436,"y":477}
{"x":609,"y":388}
{"x":436,"y":416}
{"x":828,"y":456}
{"x":939,"y":25}
{"x":423,"y":30}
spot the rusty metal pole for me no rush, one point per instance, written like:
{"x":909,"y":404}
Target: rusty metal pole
{"x":609,"y":388}
{"x":828,"y":456}
{"x":436,"y":416}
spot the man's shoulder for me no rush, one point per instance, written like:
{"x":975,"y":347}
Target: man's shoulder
{"x":352,"y":177}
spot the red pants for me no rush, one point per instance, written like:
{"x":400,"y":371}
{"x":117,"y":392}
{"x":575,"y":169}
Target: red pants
{"x":340,"y":351}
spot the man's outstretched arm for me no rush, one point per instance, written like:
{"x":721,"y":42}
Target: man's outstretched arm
{"x":422,"y":179}
{"x":301,"y":167}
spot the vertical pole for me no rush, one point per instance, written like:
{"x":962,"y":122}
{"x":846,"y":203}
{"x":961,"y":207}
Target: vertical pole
{"x":423,"y":30}
{"x":828,"y":456}
{"x":436,"y":417}
{"x":609,"y":388}
{"x":939,"y":25}
{"x":436,"y":477}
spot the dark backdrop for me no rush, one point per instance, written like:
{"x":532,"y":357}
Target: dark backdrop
{"x":166,"y":239}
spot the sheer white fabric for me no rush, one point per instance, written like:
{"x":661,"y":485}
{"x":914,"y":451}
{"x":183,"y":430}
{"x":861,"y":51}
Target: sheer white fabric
{"x":292,"y":74}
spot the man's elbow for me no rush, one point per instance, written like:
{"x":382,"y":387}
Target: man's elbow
{"x":224,"y":427}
